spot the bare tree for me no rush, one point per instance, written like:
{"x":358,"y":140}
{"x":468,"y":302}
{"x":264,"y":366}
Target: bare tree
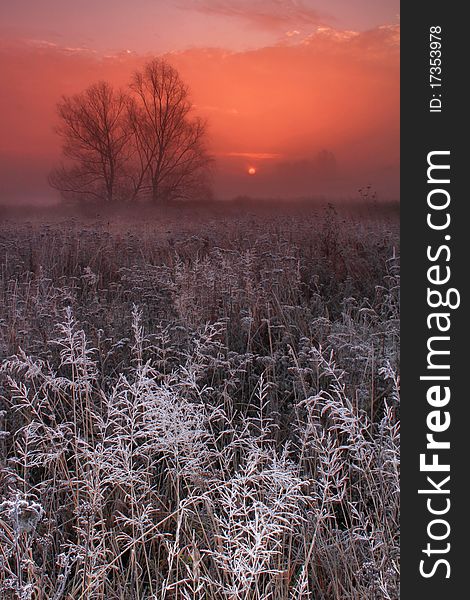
{"x":95,"y":130}
{"x":136,"y":145}
{"x":170,"y":157}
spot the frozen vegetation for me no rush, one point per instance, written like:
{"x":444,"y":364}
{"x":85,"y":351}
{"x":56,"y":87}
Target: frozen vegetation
{"x":200,"y":406}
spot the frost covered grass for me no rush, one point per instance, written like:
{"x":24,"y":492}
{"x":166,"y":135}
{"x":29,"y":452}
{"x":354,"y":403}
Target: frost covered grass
{"x":200,"y":409}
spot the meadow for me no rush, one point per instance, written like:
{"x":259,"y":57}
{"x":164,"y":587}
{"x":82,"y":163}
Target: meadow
{"x":200,"y":403}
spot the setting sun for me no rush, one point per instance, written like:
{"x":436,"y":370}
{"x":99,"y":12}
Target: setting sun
{"x":251,"y":171}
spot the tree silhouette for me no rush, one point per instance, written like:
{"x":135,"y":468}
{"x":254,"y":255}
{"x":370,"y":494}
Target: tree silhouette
{"x":169,"y":144}
{"x":141,"y":144}
{"x":95,"y":132}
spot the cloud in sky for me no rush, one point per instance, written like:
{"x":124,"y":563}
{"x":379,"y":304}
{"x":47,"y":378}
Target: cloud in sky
{"x":144,"y":26}
{"x":266,"y":14}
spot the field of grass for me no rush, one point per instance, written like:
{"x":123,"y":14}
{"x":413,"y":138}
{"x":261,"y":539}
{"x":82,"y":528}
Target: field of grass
{"x":200,"y":404}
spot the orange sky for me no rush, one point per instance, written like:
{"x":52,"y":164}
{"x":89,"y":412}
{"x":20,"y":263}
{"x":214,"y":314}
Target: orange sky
{"x":273,"y":107}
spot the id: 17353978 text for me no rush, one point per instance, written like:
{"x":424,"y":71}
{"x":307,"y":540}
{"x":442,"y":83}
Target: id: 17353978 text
{"x":435,"y":68}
